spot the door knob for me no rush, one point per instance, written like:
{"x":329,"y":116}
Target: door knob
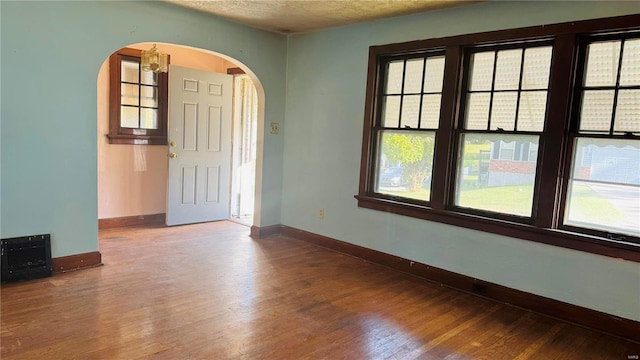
{"x":173,"y":155}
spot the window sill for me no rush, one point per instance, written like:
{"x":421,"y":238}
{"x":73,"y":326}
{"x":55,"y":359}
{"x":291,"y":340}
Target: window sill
{"x":136,"y":139}
{"x":595,"y":245}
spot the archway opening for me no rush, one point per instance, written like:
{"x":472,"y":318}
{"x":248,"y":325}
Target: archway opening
{"x":132,"y":179}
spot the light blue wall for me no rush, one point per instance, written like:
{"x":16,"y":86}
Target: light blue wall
{"x":48,"y":134}
{"x":51,"y":53}
{"x":326,"y":78}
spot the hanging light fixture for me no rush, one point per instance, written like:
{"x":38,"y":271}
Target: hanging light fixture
{"x":153,"y":60}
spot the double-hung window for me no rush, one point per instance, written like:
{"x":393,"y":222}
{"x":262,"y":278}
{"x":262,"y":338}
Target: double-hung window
{"x":604,"y":184}
{"x":410,"y":113}
{"x":532,"y":133}
{"x":504,"y":104}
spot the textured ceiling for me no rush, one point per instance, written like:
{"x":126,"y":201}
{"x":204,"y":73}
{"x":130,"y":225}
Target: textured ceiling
{"x":292,"y":16}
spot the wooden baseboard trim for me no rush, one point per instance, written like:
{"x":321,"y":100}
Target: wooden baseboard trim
{"x":265,"y":231}
{"x":137,"y":220}
{"x":592,"y":319}
{"x":76,"y":262}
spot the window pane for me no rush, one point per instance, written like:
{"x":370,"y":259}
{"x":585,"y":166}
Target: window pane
{"x":503,"y":183}
{"x":537,"y":64}
{"x":410,"y":110}
{"x":503,"y":111}
{"x":129,"y":94}
{"x":508,"y":69}
{"x":630,"y":71}
{"x":604,"y":189}
{"x":149,"y":96}
{"x":148,"y":118}
{"x":478,"y":111}
{"x":435,"y":74}
{"x":597,"y":108}
{"x":430,"y":111}
{"x":628,"y":111}
{"x":533,"y":106}
{"x":129,"y":71}
{"x":602,"y":63}
{"x":413,"y":76}
{"x":149,"y":78}
{"x":391,"y":111}
{"x":394,"y":77}
{"x":481,"y":71}
{"x":404,"y":164}
{"x":129,"y":117}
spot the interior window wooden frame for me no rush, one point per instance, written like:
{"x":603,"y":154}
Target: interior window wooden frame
{"x":134,"y":136}
{"x":575,"y":133}
{"x":379,"y":128}
{"x":460,"y":129}
{"x":554,"y":149}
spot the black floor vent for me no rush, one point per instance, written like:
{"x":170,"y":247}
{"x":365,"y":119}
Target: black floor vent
{"x":26,"y":257}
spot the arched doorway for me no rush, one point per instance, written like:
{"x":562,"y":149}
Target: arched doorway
{"x":132,"y":178}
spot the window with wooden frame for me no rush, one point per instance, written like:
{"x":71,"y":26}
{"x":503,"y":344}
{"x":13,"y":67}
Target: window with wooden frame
{"x":605,"y":167}
{"x":137,"y":101}
{"x":503,"y":105}
{"x":410,"y":112}
{"x":532,"y":133}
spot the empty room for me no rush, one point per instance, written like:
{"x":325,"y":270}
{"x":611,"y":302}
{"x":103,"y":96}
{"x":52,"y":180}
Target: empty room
{"x":301,"y":179}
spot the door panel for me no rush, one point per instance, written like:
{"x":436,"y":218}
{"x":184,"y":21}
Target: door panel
{"x":214,"y":128}
{"x":213,"y":184}
{"x":190,"y":127}
{"x":188,"y":185}
{"x":200,"y":125}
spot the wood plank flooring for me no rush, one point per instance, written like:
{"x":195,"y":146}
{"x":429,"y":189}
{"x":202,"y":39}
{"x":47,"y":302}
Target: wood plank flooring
{"x":208,"y":291}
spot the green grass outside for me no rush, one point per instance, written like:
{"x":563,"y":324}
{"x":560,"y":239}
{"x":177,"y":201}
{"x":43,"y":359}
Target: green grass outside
{"x":585,"y":206}
{"x":423,"y":195}
{"x":514,"y":200}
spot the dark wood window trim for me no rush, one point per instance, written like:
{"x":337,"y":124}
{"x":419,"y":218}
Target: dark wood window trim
{"x":544,"y":226}
{"x":121,"y":135}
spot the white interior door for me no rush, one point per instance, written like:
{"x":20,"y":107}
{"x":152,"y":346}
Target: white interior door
{"x":199,"y":146}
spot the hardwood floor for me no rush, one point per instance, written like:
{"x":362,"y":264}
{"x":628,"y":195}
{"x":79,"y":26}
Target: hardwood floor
{"x":208,"y":291}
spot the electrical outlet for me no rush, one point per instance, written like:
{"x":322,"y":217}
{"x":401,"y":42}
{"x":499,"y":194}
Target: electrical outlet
{"x":321,"y":214}
{"x":274,"y":128}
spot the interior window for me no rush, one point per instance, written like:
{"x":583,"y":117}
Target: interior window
{"x":604,"y":187}
{"x":530,"y":133}
{"x":138,"y":101}
{"x":407,"y":126}
{"x":506,"y":101}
